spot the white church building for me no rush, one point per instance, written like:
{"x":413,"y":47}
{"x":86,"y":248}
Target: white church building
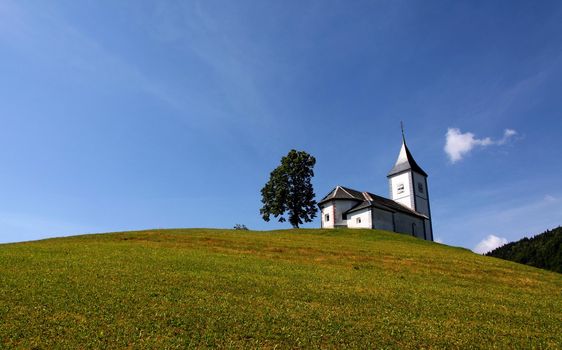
{"x":406,"y":212}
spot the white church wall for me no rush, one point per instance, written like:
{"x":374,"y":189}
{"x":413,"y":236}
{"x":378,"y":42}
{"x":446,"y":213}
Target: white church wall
{"x":341,"y":207}
{"x":402,"y":196}
{"x":328,"y":210}
{"x":419,"y":179}
{"x":422,"y":207}
{"x":422,"y":204}
{"x":382,"y":220}
{"x":360,"y":219}
{"x":404,"y":224}
{"x":428,"y":229}
{"x":422,"y":201}
{"x":334,"y":210}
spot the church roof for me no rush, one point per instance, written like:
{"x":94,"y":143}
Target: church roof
{"x":405,"y":162}
{"x":367,"y":200}
{"x":341,"y":192}
{"x":372,"y":200}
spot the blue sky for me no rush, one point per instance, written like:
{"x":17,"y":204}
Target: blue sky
{"x":121,"y":115}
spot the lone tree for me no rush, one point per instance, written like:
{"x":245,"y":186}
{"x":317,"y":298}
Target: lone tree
{"x":289,"y":190}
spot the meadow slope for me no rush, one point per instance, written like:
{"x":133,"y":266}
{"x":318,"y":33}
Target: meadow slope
{"x":286,"y":289}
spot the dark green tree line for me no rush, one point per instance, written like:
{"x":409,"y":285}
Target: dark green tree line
{"x":543,"y":250}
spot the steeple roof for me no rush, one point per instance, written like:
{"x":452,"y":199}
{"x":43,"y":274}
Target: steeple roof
{"x":405,"y":161}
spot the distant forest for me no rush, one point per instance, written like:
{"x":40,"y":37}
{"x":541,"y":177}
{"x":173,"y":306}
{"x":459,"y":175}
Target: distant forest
{"x":543,"y":250}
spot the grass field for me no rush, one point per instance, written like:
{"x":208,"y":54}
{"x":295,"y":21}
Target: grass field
{"x":282,"y":289}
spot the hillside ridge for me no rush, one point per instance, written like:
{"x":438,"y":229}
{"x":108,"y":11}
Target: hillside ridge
{"x":286,"y":288}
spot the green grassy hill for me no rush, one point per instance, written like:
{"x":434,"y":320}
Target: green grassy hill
{"x":288,"y":289}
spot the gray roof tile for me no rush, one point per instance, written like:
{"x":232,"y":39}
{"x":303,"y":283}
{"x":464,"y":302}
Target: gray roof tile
{"x":367,"y":200}
{"x":410,"y":163}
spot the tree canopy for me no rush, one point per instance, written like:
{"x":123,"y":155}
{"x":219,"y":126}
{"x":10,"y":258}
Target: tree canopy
{"x":289,"y":190}
{"x":543,"y":251}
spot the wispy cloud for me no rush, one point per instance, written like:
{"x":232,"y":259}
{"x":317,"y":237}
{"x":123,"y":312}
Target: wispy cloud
{"x":489,"y":243}
{"x":47,"y":37}
{"x":223,"y":44}
{"x":459,"y":144}
{"x":43,"y":34}
{"x":508,"y":133}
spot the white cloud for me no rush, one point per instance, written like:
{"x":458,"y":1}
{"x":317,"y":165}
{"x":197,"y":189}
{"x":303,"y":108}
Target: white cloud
{"x":507,"y":134}
{"x":459,"y":144}
{"x":489,"y":243}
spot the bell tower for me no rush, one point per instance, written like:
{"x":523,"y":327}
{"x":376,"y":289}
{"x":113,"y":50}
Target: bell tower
{"x":408,"y":185}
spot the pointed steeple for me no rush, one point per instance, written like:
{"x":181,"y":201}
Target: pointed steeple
{"x":405,"y":160}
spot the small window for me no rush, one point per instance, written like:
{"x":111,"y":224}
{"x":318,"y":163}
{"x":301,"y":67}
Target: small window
{"x":400,"y":188}
{"x":420,"y":187}
{"x":327,"y":217}
{"x":343,"y":216}
{"x":357,"y":220}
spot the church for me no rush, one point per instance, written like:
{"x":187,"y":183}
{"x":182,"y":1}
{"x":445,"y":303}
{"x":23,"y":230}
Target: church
{"x":407,"y":211}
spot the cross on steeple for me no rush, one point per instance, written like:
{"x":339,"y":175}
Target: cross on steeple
{"x":402,"y":127}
